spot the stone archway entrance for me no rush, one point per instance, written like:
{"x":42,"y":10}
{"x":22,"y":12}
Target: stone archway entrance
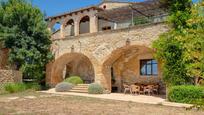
{"x":71,"y":64}
{"x":128,"y":65}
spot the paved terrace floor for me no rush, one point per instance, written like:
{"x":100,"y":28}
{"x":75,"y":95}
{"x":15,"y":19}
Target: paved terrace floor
{"x":125,"y":97}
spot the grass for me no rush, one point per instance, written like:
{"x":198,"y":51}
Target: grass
{"x":20,"y":94}
{"x":18,"y":87}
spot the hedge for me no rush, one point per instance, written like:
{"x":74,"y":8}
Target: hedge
{"x":74,"y":80}
{"x":186,"y":94}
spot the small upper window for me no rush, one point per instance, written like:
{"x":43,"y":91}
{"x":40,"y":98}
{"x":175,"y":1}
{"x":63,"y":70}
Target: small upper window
{"x":148,"y":67}
{"x":104,"y":7}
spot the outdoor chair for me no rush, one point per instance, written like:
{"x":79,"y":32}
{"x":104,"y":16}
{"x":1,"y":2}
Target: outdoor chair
{"x":148,"y":89}
{"x":126,"y":88}
{"x":156,"y":89}
{"x":135,"y":89}
{"x":141,"y":89}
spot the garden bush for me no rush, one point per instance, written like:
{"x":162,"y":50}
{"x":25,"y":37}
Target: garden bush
{"x":74,"y":80}
{"x":95,"y":88}
{"x":15,"y":87}
{"x":186,"y":94}
{"x":63,"y":87}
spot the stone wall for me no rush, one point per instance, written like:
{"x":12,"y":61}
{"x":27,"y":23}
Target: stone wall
{"x":112,"y":5}
{"x":10,"y":76}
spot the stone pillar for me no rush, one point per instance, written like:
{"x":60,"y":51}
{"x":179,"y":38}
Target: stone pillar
{"x":49,"y":29}
{"x":115,"y":26}
{"x":76,"y":27}
{"x":104,"y":80}
{"x":93,"y":24}
{"x":119,"y":82}
{"x":51,"y":23}
{"x":62,"y":31}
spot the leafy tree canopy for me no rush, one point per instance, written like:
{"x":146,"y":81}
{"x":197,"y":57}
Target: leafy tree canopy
{"x":24,"y":31}
{"x":179,"y":12}
{"x":182,"y":48}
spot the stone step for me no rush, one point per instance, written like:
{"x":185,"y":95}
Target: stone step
{"x":83,"y":85}
{"x":79,"y":91}
{"x":80,"y":88}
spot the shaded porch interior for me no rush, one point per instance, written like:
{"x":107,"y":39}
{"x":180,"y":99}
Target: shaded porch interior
{"x":133,"y":65}
{"x":82,"y":67}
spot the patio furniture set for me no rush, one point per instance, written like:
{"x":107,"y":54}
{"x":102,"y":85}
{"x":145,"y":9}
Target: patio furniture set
{"x":141,"y":89}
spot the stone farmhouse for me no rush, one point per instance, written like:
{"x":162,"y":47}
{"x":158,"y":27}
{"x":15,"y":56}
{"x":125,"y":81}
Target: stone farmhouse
{"x":109,"y":43}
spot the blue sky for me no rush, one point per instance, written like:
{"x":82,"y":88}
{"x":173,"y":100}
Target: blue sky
{"x":53,"y":7}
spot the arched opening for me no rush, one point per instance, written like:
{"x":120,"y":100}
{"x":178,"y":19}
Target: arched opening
{"x":69,"y":28}
{"x":56,"y":27}
{"x":72,"y":64}
{"x":131,"y":65}
{"x":84,"y":26}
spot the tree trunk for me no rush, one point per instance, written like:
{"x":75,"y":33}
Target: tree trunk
{"x":196,"y":80}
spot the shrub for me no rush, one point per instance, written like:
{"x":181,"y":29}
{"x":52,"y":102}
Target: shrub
{"x":95,"y":88}
{"x":19,"y":87}
{"x":63,"y":87}
{"x":34,"y":86}
{"x":15,"y":87}
{"x":74,"y":80}
{"x":45,"y":87}
{"x":185,"y":93}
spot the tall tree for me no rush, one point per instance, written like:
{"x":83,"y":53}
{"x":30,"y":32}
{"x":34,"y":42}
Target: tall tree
{"x":194,"y":43}
{"x":25,"y":33}
{"x":182,"y":48}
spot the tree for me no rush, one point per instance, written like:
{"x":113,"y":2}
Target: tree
{"x":170,"y":51}
{"x":194,"y":43}
{"x":24,"y":31}
{"x":179,"y":11}
{"x":182,"y":48}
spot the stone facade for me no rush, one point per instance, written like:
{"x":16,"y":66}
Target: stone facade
{"x":107,"y":50}
{"x":90,"y":12}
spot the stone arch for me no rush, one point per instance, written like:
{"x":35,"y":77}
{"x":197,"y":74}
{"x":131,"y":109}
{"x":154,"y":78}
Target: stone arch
{"x":78,"y":63}
{"x":120,"y":58}
{"x":56,"y":27}
{"x":84,"y":25}
{"x":69,"y":27}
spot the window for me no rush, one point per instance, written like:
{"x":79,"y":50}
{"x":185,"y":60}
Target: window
{"x":148,"y":67}
{"x":106,"y":28}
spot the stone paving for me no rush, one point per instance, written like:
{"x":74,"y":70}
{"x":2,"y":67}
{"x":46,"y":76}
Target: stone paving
{"x":125,"y":97}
